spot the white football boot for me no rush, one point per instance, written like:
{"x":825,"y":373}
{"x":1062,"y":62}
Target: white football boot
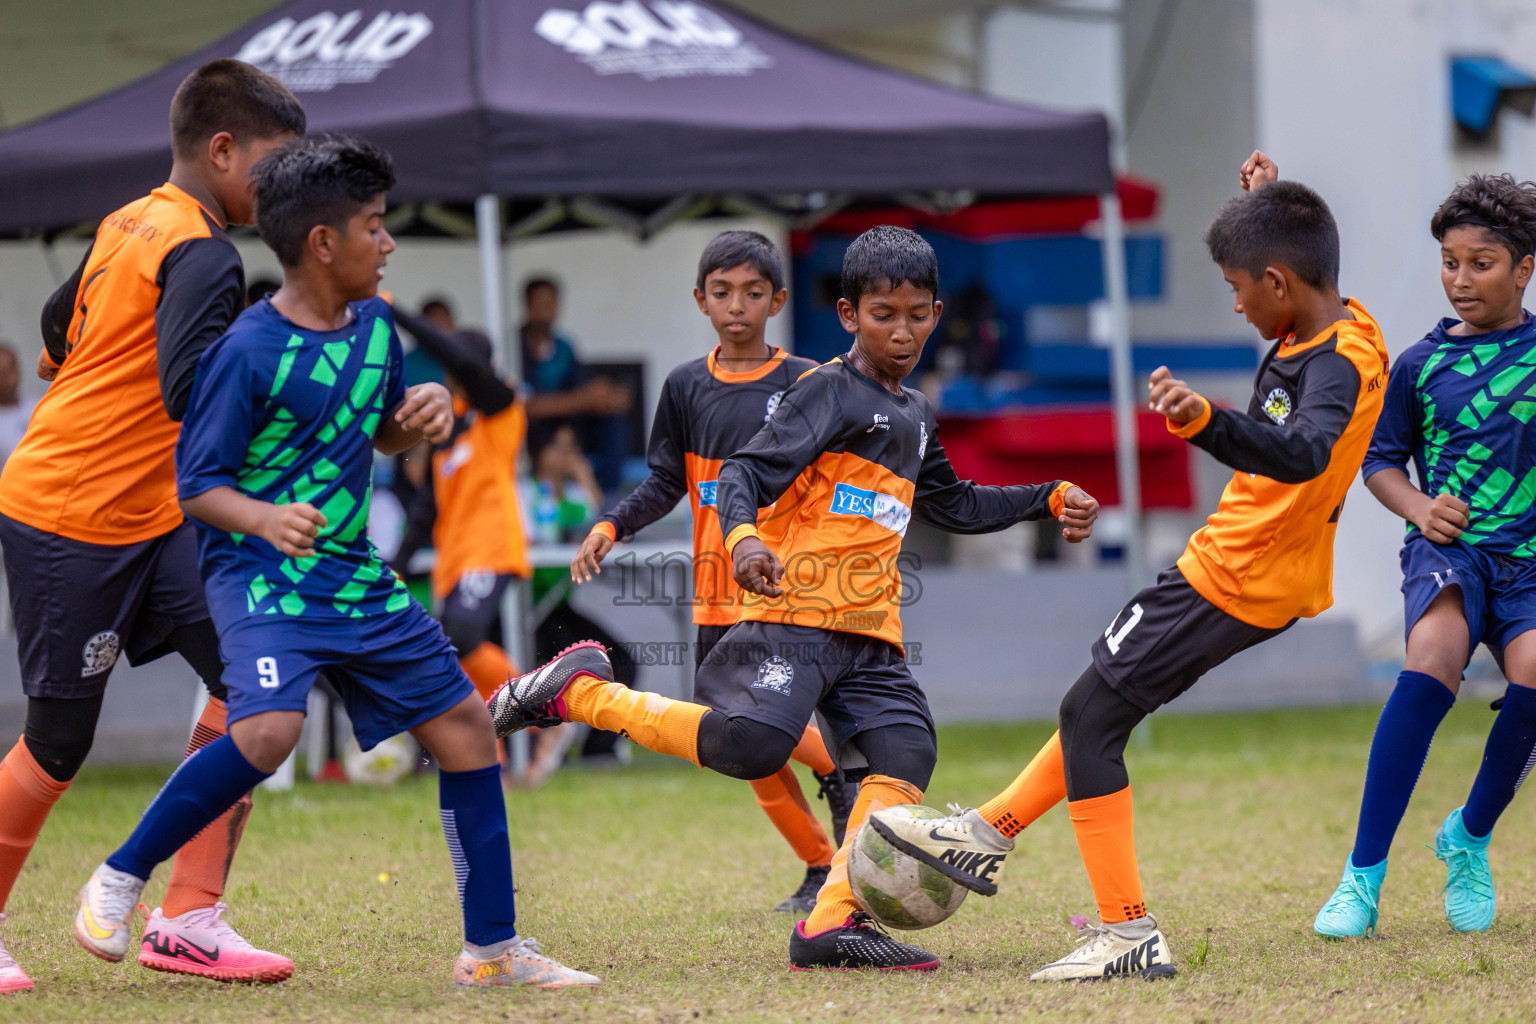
{"x":962,"y":846}
{"x":103,"y":924}
{"x":1135,"y":949}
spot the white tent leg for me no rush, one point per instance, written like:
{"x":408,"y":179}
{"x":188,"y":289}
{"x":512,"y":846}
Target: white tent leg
{"x":1123,"y":387}
{"x":493,"y":292}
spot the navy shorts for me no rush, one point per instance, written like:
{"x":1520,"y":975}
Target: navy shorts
{"x":1498,"y":592}
{"x":781,"y":675}
{"x":77,"y":606}
{"x":394,"y":672}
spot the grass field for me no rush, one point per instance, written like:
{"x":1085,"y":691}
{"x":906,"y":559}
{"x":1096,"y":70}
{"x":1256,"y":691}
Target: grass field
{"x":658,"y":877}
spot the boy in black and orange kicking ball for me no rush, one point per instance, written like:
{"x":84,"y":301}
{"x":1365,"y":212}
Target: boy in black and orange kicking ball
{"x":710,"y":408}
{"x":99,"y":558}
{"x":1264,"y":559}
{"x":822,"y":620}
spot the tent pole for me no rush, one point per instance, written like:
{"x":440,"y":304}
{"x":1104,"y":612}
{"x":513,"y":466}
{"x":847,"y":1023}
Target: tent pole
{"x":1123,"y":387}
{"x":493,"y":282}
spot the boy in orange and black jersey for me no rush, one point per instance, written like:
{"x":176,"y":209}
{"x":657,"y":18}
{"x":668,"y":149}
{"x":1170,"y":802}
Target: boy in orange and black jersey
{"x":821,"y":628}
{"x":99,"y":558}
{"x":709,"y":408}
{"x":1263,"y":560}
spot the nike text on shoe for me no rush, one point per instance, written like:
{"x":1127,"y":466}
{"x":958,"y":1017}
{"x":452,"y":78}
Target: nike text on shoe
{"x":1105,"y":953}
{"x":12,"y":978}
{"x":963,"y":846}
{"x":201,"y":942}
{"x":858,"y":944}
{"x":1350,"y":912}
{"x":803,"y":899}
{"x":521,"y":963}
{"x":1469,"y":900}
{"x":106,"y":912}
{"x":538,"y":698}
{"x":840,"y":796}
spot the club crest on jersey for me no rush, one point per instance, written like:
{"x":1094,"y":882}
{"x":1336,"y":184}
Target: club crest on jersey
{"x":773,"y":403}
{"x":1278,"y":405}
{"x":775,"y":674}
{"x":100,"y":653}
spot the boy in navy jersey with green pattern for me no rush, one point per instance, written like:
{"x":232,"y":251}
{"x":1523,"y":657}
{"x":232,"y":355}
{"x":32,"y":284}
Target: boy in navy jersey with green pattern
{"x":274,"y":464}
{"x":1459,"y":406}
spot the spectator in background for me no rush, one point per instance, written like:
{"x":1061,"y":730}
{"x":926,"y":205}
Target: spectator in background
{"x":14,"y":410}
{"x":561,"y":503}
{"x":566,"y":393}
{"x":260,"y":289}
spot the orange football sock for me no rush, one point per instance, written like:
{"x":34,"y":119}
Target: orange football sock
{"x":1040,"y":786}
{"x":201,"y":867}
{"x":487,"y":667}
{"x":784,"y":802}
{"x":811,"y":751}
{"x":1107,"y":840}
{"x":655,"y":722}
{"x":27,"y":794}
{"x":835,"y":901}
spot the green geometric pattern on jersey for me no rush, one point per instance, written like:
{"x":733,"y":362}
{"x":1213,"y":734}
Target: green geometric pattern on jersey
{"x":346,"y":514}
{"x":1500,"y":498}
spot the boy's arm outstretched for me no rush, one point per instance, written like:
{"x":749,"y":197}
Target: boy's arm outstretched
{"x":657,"y":494}
{"x":1291,"y":452}
{"x":945,"y":501}
{"x":806,"y":421}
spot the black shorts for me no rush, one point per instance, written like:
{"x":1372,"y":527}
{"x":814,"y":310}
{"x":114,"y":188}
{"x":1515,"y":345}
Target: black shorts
{"x":780,"y":675}
{"x":77,"y":606}
{"x":709,"y":636}
{"x":472,"y":608}
{"x":1166,"y":638}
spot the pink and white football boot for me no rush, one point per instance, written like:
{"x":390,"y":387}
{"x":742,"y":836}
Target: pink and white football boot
{"x":12,"y":977}
{"x":201,"y":942}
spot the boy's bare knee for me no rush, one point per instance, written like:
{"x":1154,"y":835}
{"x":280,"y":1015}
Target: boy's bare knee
{"x":266,"y":740}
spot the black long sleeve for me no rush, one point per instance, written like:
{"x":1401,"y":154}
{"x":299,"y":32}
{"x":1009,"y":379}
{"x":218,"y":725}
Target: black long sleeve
{"x":59,"y":310}
{"x":1298,"y":449}
{"x":941,"y":499}
{"x":420,"y":520}
{"x":202,"y":290}
{"x":660,"y":492}
{"x":486,"y":390}
{"x":808,"y":418}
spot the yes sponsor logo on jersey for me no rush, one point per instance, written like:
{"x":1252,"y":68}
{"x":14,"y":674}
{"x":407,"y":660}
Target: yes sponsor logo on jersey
{"x":1277,"y":406}
{"x":329,"y":49}
{"x":876,"y":506}
{"x":707,"y":491}
{"x":654,"y":39}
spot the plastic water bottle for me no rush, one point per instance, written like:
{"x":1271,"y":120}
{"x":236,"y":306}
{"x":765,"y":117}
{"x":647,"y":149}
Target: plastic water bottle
{"x":546,"y":516}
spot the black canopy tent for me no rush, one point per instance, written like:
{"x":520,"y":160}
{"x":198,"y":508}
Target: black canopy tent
{"x":619,"y":111}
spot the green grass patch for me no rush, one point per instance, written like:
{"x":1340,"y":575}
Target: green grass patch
{"x":659,"y":878}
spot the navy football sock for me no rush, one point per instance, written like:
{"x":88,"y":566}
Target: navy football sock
{"x":475,"y":825}
{"x":1418,"y":704}
{"x":205,"y":786}
{"x":1506,"y":761}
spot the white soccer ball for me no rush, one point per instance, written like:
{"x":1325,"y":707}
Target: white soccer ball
{"x":384,"y":765}
{"x":895,"y":888}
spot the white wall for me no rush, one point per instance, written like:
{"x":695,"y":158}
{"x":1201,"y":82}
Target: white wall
{"x":623,"y":299}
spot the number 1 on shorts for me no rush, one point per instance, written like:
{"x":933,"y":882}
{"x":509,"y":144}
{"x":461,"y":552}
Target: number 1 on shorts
{"x":1112,"y":639}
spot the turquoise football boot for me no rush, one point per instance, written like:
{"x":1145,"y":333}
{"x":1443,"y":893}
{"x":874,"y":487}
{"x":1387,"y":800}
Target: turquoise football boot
{"x":1468,"y":880}
{"x":1350,"y":912}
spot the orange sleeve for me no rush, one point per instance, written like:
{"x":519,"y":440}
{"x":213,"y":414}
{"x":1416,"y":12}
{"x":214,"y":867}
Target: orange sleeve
{"x":605,"y":529}
{"x":739,"y":534}
{"x":1195,"y":425}
{"x":1059,"y":497}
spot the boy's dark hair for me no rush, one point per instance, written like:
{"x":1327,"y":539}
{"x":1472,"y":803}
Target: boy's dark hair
{"x":231,"y":96}
{"x":320,"y":179}
{"x":533,"y":284}
{"x":1498,"y":202}
{"x":734,"y":248}
{"x":1284,"y":224}
{"x":888,"y":257}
